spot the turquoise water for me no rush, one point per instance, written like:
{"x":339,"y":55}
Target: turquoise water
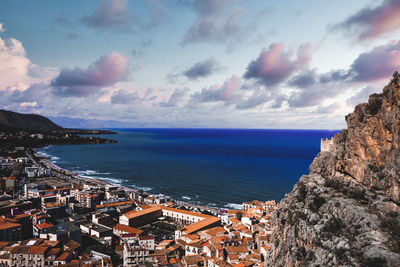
{"x":220,"y":167}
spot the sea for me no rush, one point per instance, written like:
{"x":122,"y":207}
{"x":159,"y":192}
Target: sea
{"x":215,"y":167}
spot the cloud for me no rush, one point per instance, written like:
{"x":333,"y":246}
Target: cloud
{"x":304,"y":79}
{"x":258,"y":98}
{"x":78,"y":82}
{"x":33,"y":93}
{"x":373,"y":66}
{"x":112,"y":14}
{"x":330,"y":109}
{"x":124,"y":97}
{"x":275,"y":65}
{"x":176,"y":98}
{"x":62,"y":20}
{"x":362,"y":95}
{"x":2,"y":28}
{"x":33,"y":104}
{"x":109,"y":13}
{"x":227,"y":93}
{"x":215,"y":22}
{"x":373,"y":22}
{"x":14,"y":64}
{"x":376,"y":64}
{"x":16,"y":70}
{"x":202,"y":69}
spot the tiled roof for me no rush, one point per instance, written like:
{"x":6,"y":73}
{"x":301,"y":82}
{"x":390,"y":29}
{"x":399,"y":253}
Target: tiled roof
{"x":194,"y":227}
{"x":6,"y":223}
{"x":128,"y":229}
{"x":133,"y":214}
{"x":43,"y":225}
{"x":114,"y":204}
{"x":37,"y":250}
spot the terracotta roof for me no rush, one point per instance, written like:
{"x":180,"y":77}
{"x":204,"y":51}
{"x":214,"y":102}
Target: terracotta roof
{"x":6,"y":223}
{"x":195,"y":243}
{"x":114,"y":204}
{"x":43,"y":225}
{"x":63,"y":257}
{"x":22,"y":215}
{"x":235,"y":211}
{"x":234,"y":220}
{"x":235,"y":250}
{"x":37,"y":250}
{"x":71,"y":245}
{"x":128,"y":229}
{"x":3,"y":244}
{"x":166,"y":241}
{"x":194,"y":227}
{"x":52,"y":204}
{"x":215,"y":231}
{"x":143,"y":207}
{"x":193,"y":259}
{"x":133,"y":214}
{"x":54,"y":251}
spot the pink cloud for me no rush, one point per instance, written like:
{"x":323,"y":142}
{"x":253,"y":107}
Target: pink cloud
{"x":228,"y":92}
{"x":377,"y":64}
{"x":275,"y":64}
{"x":373,"y":22}
{"x":106,"y":71}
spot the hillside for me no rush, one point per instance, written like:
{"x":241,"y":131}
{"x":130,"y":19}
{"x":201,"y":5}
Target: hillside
{"x":14,"y":120}
{"x":346,"y":211}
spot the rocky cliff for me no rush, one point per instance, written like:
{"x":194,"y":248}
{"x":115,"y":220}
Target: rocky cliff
{"x":346,"y":211}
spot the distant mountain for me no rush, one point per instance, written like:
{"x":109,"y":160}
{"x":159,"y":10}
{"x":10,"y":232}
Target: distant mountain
{"x":14,"y":120}
{"x":81,"y":123}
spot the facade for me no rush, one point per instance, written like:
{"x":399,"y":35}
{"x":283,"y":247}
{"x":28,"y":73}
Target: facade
{"x":10,"y":230}
{"x":133,"y":255}
{"x":140,"y":218}
{"x":327,"y":144}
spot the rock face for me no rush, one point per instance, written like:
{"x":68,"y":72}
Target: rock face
{"x":346,"y":211}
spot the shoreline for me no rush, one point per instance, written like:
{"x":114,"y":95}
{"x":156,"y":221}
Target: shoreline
{"x":70,"y":176}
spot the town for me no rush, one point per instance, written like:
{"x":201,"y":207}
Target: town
{"x":53,"y":217}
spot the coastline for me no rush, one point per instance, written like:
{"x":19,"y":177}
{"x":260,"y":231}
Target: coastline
{"x":73,"y":177}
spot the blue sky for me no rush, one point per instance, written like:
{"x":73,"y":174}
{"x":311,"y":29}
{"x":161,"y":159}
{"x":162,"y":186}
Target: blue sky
{"x":197,"y":63}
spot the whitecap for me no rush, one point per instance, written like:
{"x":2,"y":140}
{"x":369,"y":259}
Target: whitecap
{"x":185,"y":197}
{"x":234,"y":206}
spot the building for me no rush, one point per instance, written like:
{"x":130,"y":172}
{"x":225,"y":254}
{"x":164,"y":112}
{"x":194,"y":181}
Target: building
{"x":121,"y":229}
{"x":88,"y":200}
{"x":96,"y":230}
{"x":10,"y":230}
{"x":140,"y":218}
{"x":134,"y":254}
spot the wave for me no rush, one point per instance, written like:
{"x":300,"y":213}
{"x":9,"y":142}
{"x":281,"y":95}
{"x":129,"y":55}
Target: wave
{"x":91,"y":172}
{"x":185,"y":197}
{"x":234,"y":206}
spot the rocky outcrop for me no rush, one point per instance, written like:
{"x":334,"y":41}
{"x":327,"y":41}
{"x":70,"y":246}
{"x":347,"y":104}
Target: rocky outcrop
{"x":346,"y":211}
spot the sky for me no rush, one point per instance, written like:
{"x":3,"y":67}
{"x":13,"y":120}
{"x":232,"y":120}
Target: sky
{"x":197,"y":63}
